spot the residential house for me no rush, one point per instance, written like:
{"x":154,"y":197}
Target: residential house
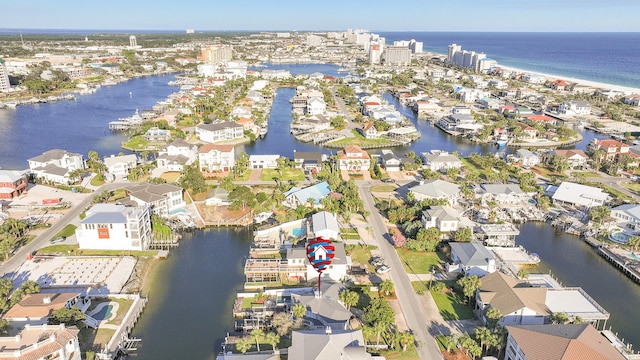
{"x":155,"y":134}
{"x":633,"y":100}
{"x":296,"y":196}
{"x":213,"y":158}
{"x":503,"y":194}
{"x":579,"y":195}
{"x":353,"y":158}
{"x":315,"y":123}
{"x":323,"y":344}
{"x":164,"y":200}
{"x":325,"y":307}
{"x":42,"y":342}
{"x":503,"y":235}
{"x":518,"y":302}
{"x":337,"y":271}
{"x":527,"y":158}
{"x":574,"y":108}
{"x":369,"y":131}
{"x":216,"y":197}
{"x":561,"y":342}
{"x":472,"y":259}
{"x":390,"y":161}
{"x":528,"y":132}
{"x":575,"y":158}
{"x":220,"y":131}
{"x":445,"y":219}
{"x":325,"y":224}
{"x":176,"y":155}
{"x":542,"y":119}
{"x":55,"y":165}
{"x":263,"y":161}
{"x":440,"y":161}
{"x":316,"y":106}
{"x":458,"y":122}
{"x":627,"y":215}
{"x":115,"y":227}
{"x":436,"y":189}
{"x":308,"y":160}
{"x":12,"y":183}
{"x":35,"y":309}
{"x":120,"y":165}
{"x":613,"y":149}
{"x":241,"y":111}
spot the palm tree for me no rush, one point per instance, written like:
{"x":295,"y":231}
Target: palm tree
{"x":299,"y":310}
{"x":379,"y":328}
{"x":482,"y":335}
{"x":243,"y":345}
{"x":386,"y":287}
{"x":273,"y":339}
{"x":493,"y":316}
{"x":349,"y":298}
{"x":257,"y":335}
{"x":405,"y":339}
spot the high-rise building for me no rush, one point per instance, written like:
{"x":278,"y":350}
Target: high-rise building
{"x":397,"y":55}
{"x":375,"y":53}
{"x":4,"y":77}
{"x":415,"y":46}
{"x":132,"y":41}
{"x":453,"y":50}
{"x":314,"y":40}
{"x":217,"y":54}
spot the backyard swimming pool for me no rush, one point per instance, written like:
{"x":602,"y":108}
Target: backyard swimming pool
{"x":104,"y":313}
{"x":619,"y":237}
{"x":297,"y":232}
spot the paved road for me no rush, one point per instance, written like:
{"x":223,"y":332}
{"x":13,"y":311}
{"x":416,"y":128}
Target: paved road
{"x":42,"y":240}
{"x":412,"y":309}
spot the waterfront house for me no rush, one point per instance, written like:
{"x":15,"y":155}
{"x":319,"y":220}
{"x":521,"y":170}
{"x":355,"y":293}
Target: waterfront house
{"x":518,"y":302}
{"x":613,"y":149}
{"x":472,"y":259}
{"x":213,"y":158}
{"x":436,"y":189}
{"x":115,"y":227}
{"x":316,"y":106}
{"x":627,"y":215}
{"x":633,"y":100}
{"x":241,"y":111}
{"x":440,"y":161}
{"x":353,"y":158}
{"x":575,"y":158}
{"x":445,"y":219}
{"x":390,"y":161}
{"x":55,"y":165}
{"x":452,"y":122}
{"x":337,"y":271}
{"x":12,"y":183}
{"x":325,"y":307}
{"x":35,"y":309}
{"x":325,"y":224}
{"x":369,"y":131}
{"x":176,"y":155}
{"x":220,"y":131}
{"x":120,"y":165}
{"x":216,"y":197}
{"x":526,"y":157}
{"x":561,"y":341}
{"x":164,"y":200}
{"x":308,"y":160}
{"x":574,"y":108}
{"x":579,"y":195}
{"x":528,"y":132}
{"x":315,"y":123}
{"x":155,"y":134}
{"x":329,"y":344}
{"x":503,"y":194}
{"x":309,"y":196}
{"x":498,"y":234}
{"x":541,"y":119}
{"x":263,"y":161}
{"x":42,"y":342}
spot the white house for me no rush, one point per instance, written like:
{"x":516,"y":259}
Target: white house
{"x":436,"y":189}
{"x":163,"y":199}
{"x":440,"y":161}
{"x":42,"y":342}
{"x":527,"y":158}
{"x":221,"y":131}
{"x":212,"y":157}
{"x":353,"y":158}
{"x":115,"y":227}
{"x":575,"y":158}
{"x":176,"y":155}
{"x":519,"y":303}
{"x":503,"y":194}
{"x":296,"y":196}
{"x":120,"y":165}
{"x":55,"y":165}
{"x":575,"y":108}
{"x":445,"y":219}
{"x":627,"y":215}
{"x":337,"y":271}
{"x":472,"y":259}
{"x":217,"y":196}
{"x":316,"y":106}
{"x":325,"y":224}
{"x":263,"y":161}
{"x":579,"y":195}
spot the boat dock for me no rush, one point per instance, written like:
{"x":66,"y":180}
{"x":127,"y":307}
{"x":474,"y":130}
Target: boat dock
{"x":624,"y":264}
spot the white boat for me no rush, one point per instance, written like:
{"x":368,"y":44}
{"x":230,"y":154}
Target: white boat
{"x":11,"y":104}
{"x":262,"y":217}
{"x":263,"y":131}
{"x":502,"y":140}
{"x":134,"y":119}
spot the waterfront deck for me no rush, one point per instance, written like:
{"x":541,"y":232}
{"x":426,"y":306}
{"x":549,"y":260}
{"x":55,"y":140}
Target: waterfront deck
{"x":629,"y":267}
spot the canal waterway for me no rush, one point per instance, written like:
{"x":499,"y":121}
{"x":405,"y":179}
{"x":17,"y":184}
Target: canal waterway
{"x":576,"y":264}
{"x":191,"y":295}
{"x":77,"y":126}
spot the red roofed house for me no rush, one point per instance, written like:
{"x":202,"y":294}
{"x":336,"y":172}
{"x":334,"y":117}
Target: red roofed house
{"x":575,"y":158}
{"x":353,"y":158}
{"x":613,"y":149}
{"x":559,"y":85}
{"x":528,"y":132}
{"x":369,"y":131}
{"x":543,"y":119}
{"x":216,"y":157}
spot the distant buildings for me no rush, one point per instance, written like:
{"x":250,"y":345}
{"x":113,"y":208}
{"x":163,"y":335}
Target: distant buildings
{"x":216,"y":54}
{"x":397,"y":56}
{"x":469,"y":59}
{"x":5,"y":86}
{"x":132,"y":41}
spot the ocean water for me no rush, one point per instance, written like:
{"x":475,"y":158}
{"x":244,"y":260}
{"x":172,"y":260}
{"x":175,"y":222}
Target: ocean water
{"x":610,"y":58}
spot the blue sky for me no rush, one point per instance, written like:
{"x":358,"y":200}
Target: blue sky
{"x":376,"y":15}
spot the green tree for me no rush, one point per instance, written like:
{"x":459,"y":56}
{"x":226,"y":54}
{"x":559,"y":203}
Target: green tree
{"x":560,"y":318}
{"x":405,"y":338}
{"x":299,"y":310}
{"x":469,"y":285}
{"x":241,"y":198}
{"x":5,"y":327}
{"x":523,"y":274}
{"x":378,"y":310}
{"x":273,"y":339}
{"x":386,"y":286}
{"x":634,"y":243}
{"x":282,"y":322}
{"x":257,"y":335}
{"x":598,"y":214}
{"x":69,"y":316}
{"x":463,"y":235}
{"x":493,"y":316}
{"x":482,"y":334}
{"x":349,"y":298}
{"x":243,"y":345}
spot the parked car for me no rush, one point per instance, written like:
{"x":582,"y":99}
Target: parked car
{"x":377,"y":261}
{"x":58,"y":239}
{"x":383,"y":269}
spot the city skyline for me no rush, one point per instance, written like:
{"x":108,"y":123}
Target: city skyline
{"x":288,"y":15}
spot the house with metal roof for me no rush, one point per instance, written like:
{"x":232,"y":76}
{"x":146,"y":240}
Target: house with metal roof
{"x":579,"y":195}
{"x":558,"y":342}
{"x":436,"y":189}
{"x":471,"y":258}
{"x":115,"y":227}
{"x":296,"y":196}
{"x":627,"y":215}
{"x":329,"y":344}
{"x":325,"y":224}
{"x":438,"y":160}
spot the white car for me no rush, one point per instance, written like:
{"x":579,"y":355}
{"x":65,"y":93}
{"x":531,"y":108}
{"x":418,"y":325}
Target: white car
{"x":383,"y":269}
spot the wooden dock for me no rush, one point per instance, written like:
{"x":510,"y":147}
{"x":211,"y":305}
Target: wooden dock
{"x":621,"y":263}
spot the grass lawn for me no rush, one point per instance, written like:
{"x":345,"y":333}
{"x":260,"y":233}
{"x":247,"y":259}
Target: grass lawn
{"x":125,"y":305}
{"x":67,"y":231}
{"x":410,"y":354}
{"x":170,"y":177}
{"x":359,"y":140}
{"x":97,"y":180}
{"x":383,"y":188}
{"x":117,"y":195}
{"x":136,"y":143}
{"x":359,"y":254}
{"x":94,"y":339}
{"x":349,"y":234}
{"x":418,"y":262}
{"x":287,"y":174}
{"x":633,"y":186}
{"x":585,"y":174}
{"x":452,"y":305}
